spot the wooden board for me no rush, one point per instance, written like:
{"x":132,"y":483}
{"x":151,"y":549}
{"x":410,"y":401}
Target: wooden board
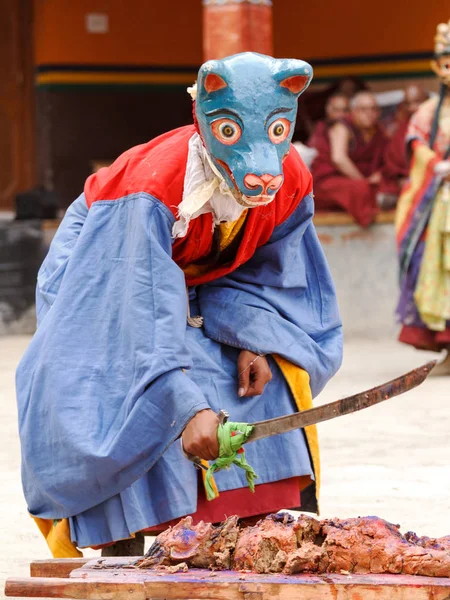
{"x":103,"y":579}
{"x":57,"y":567}
{"x":341,"y":218}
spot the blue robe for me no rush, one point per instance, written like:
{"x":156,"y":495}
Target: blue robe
{"x":113,"y":373}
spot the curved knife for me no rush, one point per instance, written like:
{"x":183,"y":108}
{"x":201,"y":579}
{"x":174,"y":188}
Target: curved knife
{"x":345,"y":406}
{"x":339,"y":408}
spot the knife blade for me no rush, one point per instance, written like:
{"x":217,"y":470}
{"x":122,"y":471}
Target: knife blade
{"x":339,"y":408}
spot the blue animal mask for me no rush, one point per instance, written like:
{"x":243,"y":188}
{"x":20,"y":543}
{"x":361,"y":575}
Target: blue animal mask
{"x":246,"y":107}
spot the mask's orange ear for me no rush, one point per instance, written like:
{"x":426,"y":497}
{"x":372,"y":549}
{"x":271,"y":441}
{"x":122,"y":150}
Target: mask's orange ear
{"x":293,"y":75}
{"x":296,"y":84}
{"x":214,"y":82}
{"x":212,"y":77}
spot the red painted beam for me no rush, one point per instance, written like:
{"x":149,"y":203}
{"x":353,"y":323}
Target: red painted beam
{"x":232,"y":26}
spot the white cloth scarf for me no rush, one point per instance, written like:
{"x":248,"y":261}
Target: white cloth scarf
{"x":204,"y":191}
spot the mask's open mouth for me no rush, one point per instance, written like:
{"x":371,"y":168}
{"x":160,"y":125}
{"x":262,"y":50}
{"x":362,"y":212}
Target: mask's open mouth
{"x":242,"y":199}
{"x":252,"y":201}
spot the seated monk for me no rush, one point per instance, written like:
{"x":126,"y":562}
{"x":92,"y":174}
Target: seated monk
{"x":396,"y":168}
{"x":337,"y":108}
{"x":391,"y":122}
{"x":347,"y":170}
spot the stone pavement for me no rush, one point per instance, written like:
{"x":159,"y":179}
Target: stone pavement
{"x":391,"y":460}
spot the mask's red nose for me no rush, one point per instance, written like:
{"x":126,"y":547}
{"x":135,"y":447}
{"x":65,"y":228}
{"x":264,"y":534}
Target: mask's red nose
{"x":268,"y":183}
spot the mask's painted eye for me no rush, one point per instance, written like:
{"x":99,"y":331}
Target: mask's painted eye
{"x":279,"y":130}
{"x":226,"y":131}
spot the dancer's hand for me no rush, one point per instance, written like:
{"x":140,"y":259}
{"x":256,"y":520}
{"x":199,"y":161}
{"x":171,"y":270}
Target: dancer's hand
{"x":253,"y":373}
{"x":200,"y":435}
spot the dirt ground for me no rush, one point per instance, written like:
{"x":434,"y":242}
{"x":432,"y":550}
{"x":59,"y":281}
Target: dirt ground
{"x":392,"y":460}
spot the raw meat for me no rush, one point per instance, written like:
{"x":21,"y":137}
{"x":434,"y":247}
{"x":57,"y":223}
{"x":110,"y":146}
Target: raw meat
{"x":279,"y":543}
{"x":442,"y":543}
{"x":372,"y":545}
{"x":265,"y":547}
{"x":203,"y":545}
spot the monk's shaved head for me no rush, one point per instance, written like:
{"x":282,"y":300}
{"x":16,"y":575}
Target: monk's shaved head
{"x":337,"y":107}
{"x":363,"y":99}
{"x":364,"y":110}
{"x":414,"y":96}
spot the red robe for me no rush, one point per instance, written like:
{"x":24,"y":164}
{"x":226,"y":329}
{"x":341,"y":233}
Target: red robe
{"x":395,"y":167}
{"x":333,"y":190}
{"x":131,"y":173}
{"x":319,"y":134}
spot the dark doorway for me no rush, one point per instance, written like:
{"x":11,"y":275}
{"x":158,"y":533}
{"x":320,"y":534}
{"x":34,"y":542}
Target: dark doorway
{"x":16,"y":100}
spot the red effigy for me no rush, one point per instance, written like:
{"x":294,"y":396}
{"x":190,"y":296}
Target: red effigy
{"x":281,"y":544}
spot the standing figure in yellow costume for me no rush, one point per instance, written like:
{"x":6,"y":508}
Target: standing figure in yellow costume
{"x":423,"y":219}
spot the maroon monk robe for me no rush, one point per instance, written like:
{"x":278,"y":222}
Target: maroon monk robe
{"x":319,"y":133}
{"x":395,"y":168}
{"x":335,"y":191}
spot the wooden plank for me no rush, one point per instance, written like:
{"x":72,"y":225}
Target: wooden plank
{"x":341,"y":218}
{"x":233,"y":586}
{"x":50,"y":587}
{"x":117,"y":579}
{"x":56,"y":567}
